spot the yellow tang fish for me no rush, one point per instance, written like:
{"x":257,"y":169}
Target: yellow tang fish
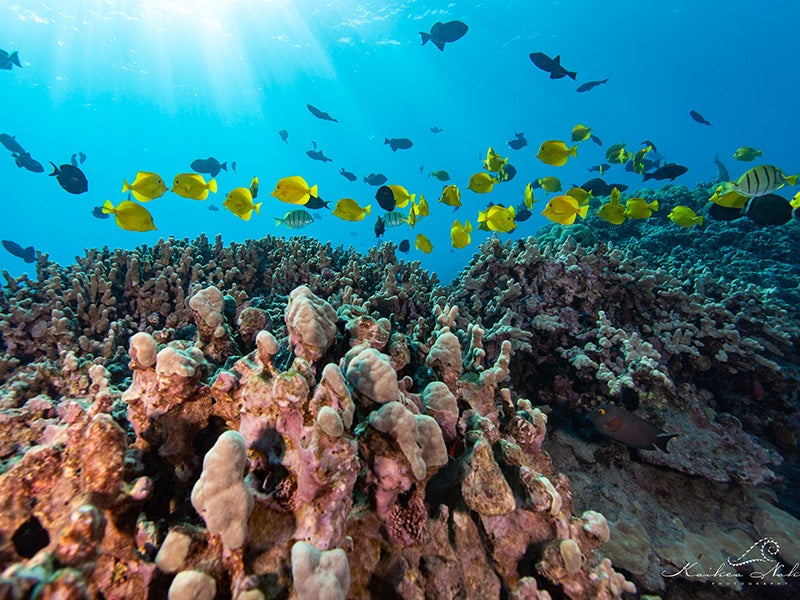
{"x":612,"y":211}
{"x":481,"y":183}
{"x":564,"y":209}
{"x":580,"y":194}
{"x":421,"y":242}
{"x":550,"y":184}
{"x":193,"y":186}
{"x":529,"y":199}
{"x":732,"y":199}
{"x":795,"y":201}
{"x":555,"y":153}
{"x":130,"y":216}
{"x":460,"y":234}
{"x":498,"y":218}
{"x":412,"y":215}
{"x":639,"y":208}
{"x":147,"y":186}
{"x":422,"y":207}
{"x":493,"y":161}
{"x":451,"y":196}
{"x":685,"y":216}
{"x":581,"y":133}
{"x":294,"y":190}
{"x":349,"y":210}
{"x":401,"y":195}
{"x":759,"y":181}
{"x":240,"y":202}
{"x":746,"y":153}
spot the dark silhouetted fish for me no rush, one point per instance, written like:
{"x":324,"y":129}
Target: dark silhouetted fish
{"x":444,"y":33}
{"x":71,"y":178}
{"x":523,"y":214}
{"x":723,"y":213}
{"x":551,"y":65}
{"x":518,"y":142}
{"x":213,"y":208}
{"x":233,"y":166}
{"x":596,"y":139}
{"x":210,"y":166}
{"x":25,"y":160}
{"x":398,"y":143}
{"x":623,"y":426}
{"x":320,"y":114}
{"x":347,"y":175}
{"x":722,"y":172}
{"x":318,"y":155}
{"x":284,"y":136}
{"x":770,"y":209}
{"x":598,"y":187}
{"x":698,"y":117}
{"x":385,"y":198}
{"x":668,"y":171}
{"x":27,"y":254}
{"x":436,"y":129}
{"x":585,"y":87}
{"x":11,"y":143}
{"x":380,"y":227}
{"x":404,"y":246}
{"x":82,"y":157}
{"x":649,"y":143}
{"x":8,"y":60}
{"x":375,"y":179}
{"x":315,"y":203}
{"x":601,"y":168}
{"x":97,"y":213}
{"x":507,"y":173}
{"x":77,"y":158}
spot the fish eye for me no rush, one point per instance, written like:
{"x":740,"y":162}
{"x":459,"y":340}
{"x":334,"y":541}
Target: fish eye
{"x":601,"y":411}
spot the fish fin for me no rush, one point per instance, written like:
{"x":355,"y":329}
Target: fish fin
{"x":368,"y":209}
{"x":108,"y":208}
{"x":699,"y":219}
{"x":583,"y":210}
{"x":14,"y":57}
{"x":314,"y":191}
{"x":224,"y":166}
{"x":212,"y":185}
{"x":663,"y":439}
{"x":125,"y":186}
{"x":438,"y":44}
{"x":792,"y":179}
{"x":425,"y":37}
{"x":278,"y":221}
{"x":573,"y":151}
{"x":572,"y":75}
{"x":653,"y":205}
{"x":55,"y":168}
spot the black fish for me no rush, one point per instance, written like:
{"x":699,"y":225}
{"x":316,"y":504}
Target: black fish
{"x":698,"y":117}
{"x":380,"y":227}
{"x":668,"y":171}
{"x":722,"y":172}
{"x":770,"y":209}
{"x":82,"y":157}
{"x":596,"y":139}
{"x":385,"y":198}
{"x":27,"y":254}
{"x":7,"y":60}
{"x":213,"y":208}
{"x":78,"y":156}
{"x":623,"y":426}
{"x":398,"y":143}
{"x":436,"y":129}
{"x":320,"y":114}
{"x":318,"y":155}
{"x":444,"y":33}
{"x":523,"y":214}
{"x":97,"y":213}
{"x":375,"y":179}
{"x":11,"y":143}
{"x":25,"y":160}
{"x":507,"y":173}
{"x":601,"y":168}
{"x":315,"y":203}
{"x":404,"y":246}
{"x":347,"y":175}
{"x":73,"y":160}
{"x":724,"y":213}
{"x":284,"y":136}
{"x":551,"y":65}
{"x":518,"y":142}
{"x":209,"y":165}
{"x":598,"y":187}
{"x":647,"y":165}
{"x":71,"y":178}
{"x":233,"y":166}
{"x":585,"y":87}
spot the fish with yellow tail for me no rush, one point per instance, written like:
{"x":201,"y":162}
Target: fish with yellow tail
{"x":497,"y":218}
{"x":556,"y":153}
{"x":549,"y":184}
{"x":564,"y":209}
{"x":240,"y":202}
{"x":732,"y":199}
{"x":348,"y":209}
{"x":401,"y":196}
{"x":639,"y":208}
{"x":130,"y":216}
{"x":612,"y":211}
{"x":421,"y":242}
{"x":759,"y":181}
{"x":482,"y":183}
{"x":145,"y":187}
{"x":685,"y":217}
{"x":422,"y":208}
{"x":580,"y":194}
{"x":451,"y":196}
{"x":795,"y":201}
{"x":493,"y":162}
{"x":460,"y":234}
{"x":193,"y":186}
{"x":294,"y":190}
{"x":528,"y":199}
{"x":746,"y":153}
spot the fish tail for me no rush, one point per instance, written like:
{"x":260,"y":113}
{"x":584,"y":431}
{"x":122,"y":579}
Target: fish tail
{"x":386,"y":141}
{"x":573,"y":151}
{"x":425,"y":37}
{"x":257,"y":208}
{"x":583,"y":210}
{"x":108,"y":208}
{"x":368,"y":209}
{"x":224,"y":166}
{"x":55,"y":169}
{"x":314,"y":191}
{"x":126,"y":187}
{"x":653,"y":205}
{"x":663,"y":439}
{"x":278,"y":221}
{"x":792,"y":179}
{"x":572,"y":75}
{"x":699,"y":219}
{"x":14,"y":57}
{"x":212,"y":185}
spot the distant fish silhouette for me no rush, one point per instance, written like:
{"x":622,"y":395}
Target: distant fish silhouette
{"x":284,"y":136}
{"x":551,"y":65}
{"x":722,"y":172}
{"x":699,"y":118}
{"x":585,"y":87}
{"x":8,"y":60}
{"x":25,"y":160}
{"x":320,"y":114}
{"x":436,"y":129}
{"x":213,"y":208}
{"x":97,"y":213}
{"x":518,"y":142}
{"x":210,"y":166}
{"x":398,"y":143}
{"x":77,"y":158}
{"x":347,"y":175}
{"x":596,"y":139}
{"x":444,"y":33}
{"x":318,"y":155}
{"x":27,"y":254}
{"x":376,"y":179}
{"x":11,"y":143}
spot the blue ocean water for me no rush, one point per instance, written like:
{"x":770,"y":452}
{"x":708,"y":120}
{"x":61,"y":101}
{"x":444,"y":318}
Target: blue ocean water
{"x":154,"y":85}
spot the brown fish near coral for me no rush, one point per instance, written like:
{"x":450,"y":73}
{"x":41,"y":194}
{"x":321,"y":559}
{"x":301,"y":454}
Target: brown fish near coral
{"x":623,"y":426}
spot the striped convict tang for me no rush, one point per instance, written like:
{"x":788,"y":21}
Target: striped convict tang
{"x":761,"y":180}
{"x":295,"y":219}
